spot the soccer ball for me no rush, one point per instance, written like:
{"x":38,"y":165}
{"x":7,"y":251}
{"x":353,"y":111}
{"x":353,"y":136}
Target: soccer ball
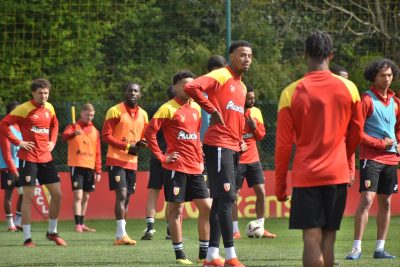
{"x":254,"y":229}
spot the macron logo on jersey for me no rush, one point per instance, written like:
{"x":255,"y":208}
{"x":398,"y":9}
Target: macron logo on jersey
{"x":187,"y":136}
{"x":234,"y":107}
{"x":40,"y":130}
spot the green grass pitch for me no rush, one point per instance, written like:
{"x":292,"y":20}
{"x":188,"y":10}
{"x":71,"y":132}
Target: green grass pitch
{"x":97,"y":249}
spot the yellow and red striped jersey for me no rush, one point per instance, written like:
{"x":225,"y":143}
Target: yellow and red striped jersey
{"x":227,"y":94}
{"x":123,"y":125}
{"x":321,"y":114}
{"x":180,"y":123}
{"x":38,"y":124}
{"x":251,"y":137}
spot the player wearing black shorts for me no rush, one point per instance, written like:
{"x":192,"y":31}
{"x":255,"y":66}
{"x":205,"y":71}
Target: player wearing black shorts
{"x":249,"y":164}
{"x":180,"y":121}
{"x":123,"y":131}
{"x":84,"y":159}
{"x":39,"y":128}
{"x":379,"y":154}
{"x":156,"y":182}
{"x":222,"y":143}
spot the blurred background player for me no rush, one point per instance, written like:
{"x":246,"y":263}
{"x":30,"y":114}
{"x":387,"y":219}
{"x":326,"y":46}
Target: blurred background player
{"x":339,"y":70}
{"x":39,"y":128}
{"x":222,"y":144}
{"x":325,"y":139}
{"x":249,"y":163}
{"x":84,"y":158}
{"x":9,"y":163}
{"x":180,"y":121}
{"x":379,"y":154}
{"x":123,"y":131}
{"x":156,"y":181}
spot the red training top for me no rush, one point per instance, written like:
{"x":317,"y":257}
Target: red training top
{"x":180,"y":123}
{"x":38,"y":124}
{"x":321,"y":114}
{"x":251,"y":137}
{"x":227,"y":94}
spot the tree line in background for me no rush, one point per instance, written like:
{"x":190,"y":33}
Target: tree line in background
{"x":90,"y":49}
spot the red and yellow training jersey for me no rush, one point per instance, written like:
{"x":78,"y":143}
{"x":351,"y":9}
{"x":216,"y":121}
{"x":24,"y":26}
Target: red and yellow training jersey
{"x":252,"y":136}
{"x":83,"y":149}
{"x":321,"y":114}
{"x":123,"y":126}
{"x":38,"y":124}
{"x":374,"y":148}
{"x":180,"y":123}
{"x":227,"y":94}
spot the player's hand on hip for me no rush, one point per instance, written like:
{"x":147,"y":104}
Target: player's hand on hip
{"x":388,"y":142}
{"x":352,"y":180}
{"x":251,"y":123}
{"x":27,"y":145}
{"x":133,"y":150}
{"x":172,"y":157}
{"x":50,"y":146}
{"x":15,"y":176}
{"x":216,"y":118}
{"x":243,"y":146}
{"x":141,"y":144}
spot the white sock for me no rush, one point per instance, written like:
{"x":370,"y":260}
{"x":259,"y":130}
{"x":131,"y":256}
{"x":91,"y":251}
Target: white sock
{"x":10,"y":220}
{"x":27,"y":231}
{"x":357,"y":244}
{"x":230,"y":253}
{"x":121,"y":232}
{"x":261,"y":221}
{"x":52,"y":226}
{"x":235,"y":226}
{"x":18,"y":218}
{"x":380,"y":245}
{"x":212,"y":253}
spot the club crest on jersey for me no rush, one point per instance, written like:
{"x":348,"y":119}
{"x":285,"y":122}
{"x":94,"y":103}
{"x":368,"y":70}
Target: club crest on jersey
{"x":27,"y":179}
{"x":367,"y":183}
{"x":47,"y":115}
{"x":227,"y":187}
{"x":117,"y":178}
{"x":232,"y":106}
{"x":233,"y":88}
{"x":182,"y":118}
{"x":176,"y":191}
{"x":194,"y":116}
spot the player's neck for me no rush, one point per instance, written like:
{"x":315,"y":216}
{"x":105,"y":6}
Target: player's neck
{"x":130,"y":105}
{"x":38,"y":104}
{"x":382,"y":91}
{"x":317,"y":64}
{"x":237,"y":72}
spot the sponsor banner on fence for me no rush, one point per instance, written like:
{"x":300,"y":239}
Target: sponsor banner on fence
{"x":101,"y":203}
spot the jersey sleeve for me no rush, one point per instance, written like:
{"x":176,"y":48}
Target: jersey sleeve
{"x":259,"y":132}
{"x":5,"y":130}
{"x":53,"y":125}
{"x":397,"y":126}
{"x":158,"y":121}
{"x":68,"y":133}
{"x":284,"y":142}
{"x":98,"y":153}
{"x":5,"y":146}
{"x":196,"y":89}
{"x":355,"y":128}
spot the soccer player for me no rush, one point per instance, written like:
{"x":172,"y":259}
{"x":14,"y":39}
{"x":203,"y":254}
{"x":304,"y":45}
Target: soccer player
{"x":379,"y":154}
{"x":180,"y":121}
{"x":84,"y":159}
{"x":156,"y":181}
{"x":321,"y":114}
{"x":222,"y":144}
{"x":39,"y":128}
{"x":8,"y":167}
{"x":123,"y":131}
{"x":249,"y":163}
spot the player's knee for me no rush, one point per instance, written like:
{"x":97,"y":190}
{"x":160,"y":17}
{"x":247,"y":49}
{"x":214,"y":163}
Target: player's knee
{"x":85,"y":196}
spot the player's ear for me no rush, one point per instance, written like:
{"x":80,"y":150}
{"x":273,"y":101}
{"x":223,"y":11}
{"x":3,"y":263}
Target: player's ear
{"x":331,"y":56}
